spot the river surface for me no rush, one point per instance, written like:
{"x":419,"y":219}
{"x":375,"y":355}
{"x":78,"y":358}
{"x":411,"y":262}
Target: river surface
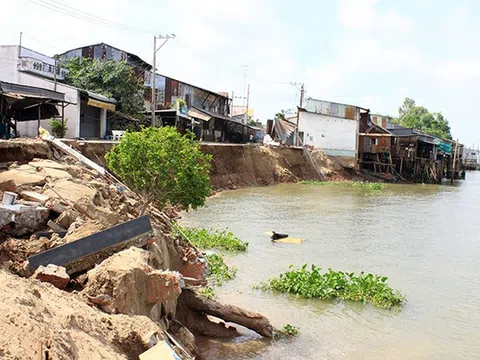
{"x":424,"y":238}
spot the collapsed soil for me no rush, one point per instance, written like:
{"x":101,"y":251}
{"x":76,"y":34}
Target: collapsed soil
{"x":35,"y":315}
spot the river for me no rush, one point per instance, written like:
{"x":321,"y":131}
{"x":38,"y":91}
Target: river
{"x":424,"y":238}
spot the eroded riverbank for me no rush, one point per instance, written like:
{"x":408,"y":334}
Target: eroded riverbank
{"x":423,"y":237}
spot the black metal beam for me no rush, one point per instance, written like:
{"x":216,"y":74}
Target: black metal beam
{"x":208,"y":95}
{"x":92,"y":244}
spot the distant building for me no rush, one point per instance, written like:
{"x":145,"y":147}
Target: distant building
{"x":384,"y":121}
{"x":84,"y":112}
{"x":209,"y":110}
{"x":331,"y":127}
{"x":167,"y":89}
{"x":471,"y":157}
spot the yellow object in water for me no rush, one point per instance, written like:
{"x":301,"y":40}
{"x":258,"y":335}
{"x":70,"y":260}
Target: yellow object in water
{"x":289,"y":241}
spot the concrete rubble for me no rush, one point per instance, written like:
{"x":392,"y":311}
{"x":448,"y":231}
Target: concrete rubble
{"x":53,"y":274}
{"x":62,"y":203}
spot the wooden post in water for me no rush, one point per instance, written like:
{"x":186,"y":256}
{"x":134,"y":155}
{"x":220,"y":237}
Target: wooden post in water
{"x":454,"y":162}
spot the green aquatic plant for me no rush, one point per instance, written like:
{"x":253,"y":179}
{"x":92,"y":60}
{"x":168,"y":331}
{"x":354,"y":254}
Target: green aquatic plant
{"x":356,"y":184}
{"x":366,"y":288}
{"x":206,"y":239}
{"x":368,"y":185}
{"x":218,"y":270}
{"x":286,"y":331}
{"x":208,"y":292}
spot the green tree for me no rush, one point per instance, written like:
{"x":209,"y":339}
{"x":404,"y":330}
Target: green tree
{"x":164,"y":166}
{"x":413,"y":116}
{"x":110,"y":78}
{"x":281,"y":115}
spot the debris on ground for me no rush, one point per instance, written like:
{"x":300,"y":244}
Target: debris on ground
{"x":120,"y":280}
{"x":53,"y":274}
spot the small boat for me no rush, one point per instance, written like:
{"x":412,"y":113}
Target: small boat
{"x":276,"y":236}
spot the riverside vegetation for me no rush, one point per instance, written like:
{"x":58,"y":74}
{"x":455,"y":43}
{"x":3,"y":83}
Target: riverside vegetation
{"x":355,"y":184}
{"x":366,"y":288}
{"x":219,"y":271}
{"x":214,"y":239}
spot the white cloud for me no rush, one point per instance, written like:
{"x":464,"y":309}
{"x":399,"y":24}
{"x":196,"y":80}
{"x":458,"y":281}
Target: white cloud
{"x":362,"y":15}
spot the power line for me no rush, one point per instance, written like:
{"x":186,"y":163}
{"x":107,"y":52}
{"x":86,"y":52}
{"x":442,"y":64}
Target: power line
{"x":237,"y":71}
{"x":41,"y":41}
{"x":59,"y":7}
{"x":85,"y":16}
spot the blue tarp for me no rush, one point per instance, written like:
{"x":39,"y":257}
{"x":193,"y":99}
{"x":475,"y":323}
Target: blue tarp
{"x":446,"y":147}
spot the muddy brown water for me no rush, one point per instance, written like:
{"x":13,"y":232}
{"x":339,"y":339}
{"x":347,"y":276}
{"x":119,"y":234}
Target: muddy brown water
{"x":425,"y":238}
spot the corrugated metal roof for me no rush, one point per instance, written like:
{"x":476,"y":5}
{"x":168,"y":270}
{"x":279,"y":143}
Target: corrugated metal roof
{"x":99,"y":97}
{"x":404,"y":132}
{"x":284,"y":128}
{"x":331,"y":109}
{"x":213,"y":114}
{"x":24,"y":91}
{"x":198,"y":115}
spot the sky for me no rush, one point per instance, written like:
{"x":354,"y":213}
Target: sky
{"x":370,"y":53}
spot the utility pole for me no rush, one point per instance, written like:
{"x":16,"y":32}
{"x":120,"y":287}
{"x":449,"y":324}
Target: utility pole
{"x":302,"y":93}
{"x":245,"y":68}
{"x":155,"y":49}
{"x":55,"y":73}
{"x":246,"y":109}
{"x":20,"y":45}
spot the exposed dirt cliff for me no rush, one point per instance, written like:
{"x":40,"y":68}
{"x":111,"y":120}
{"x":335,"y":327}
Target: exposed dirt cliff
{"x":248,"y":165}
{"x":236,"y":165}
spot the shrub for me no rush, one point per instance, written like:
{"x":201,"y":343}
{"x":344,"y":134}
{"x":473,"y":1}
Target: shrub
{"x":164,"y":166}
{"x":59,"y":128}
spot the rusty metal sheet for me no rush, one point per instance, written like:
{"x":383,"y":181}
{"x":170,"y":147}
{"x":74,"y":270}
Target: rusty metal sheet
{"x":330,"y":108}
{"x":350,"y":112}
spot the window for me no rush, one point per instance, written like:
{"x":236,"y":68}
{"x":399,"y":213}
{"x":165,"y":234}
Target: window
{"x":373,"y":141}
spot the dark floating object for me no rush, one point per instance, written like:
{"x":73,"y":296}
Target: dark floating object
{"x":276,"y":236}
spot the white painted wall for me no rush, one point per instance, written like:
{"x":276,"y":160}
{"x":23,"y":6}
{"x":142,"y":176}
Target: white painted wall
{"x":103,"y":123}
{"x":335,"y":136}
{"x":9,"y":73}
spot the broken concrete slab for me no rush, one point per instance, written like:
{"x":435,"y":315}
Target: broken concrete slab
{"x":55,"y":227}
{"x":56,"y":207}
{"x":22,"y":177}
{"x":20,"y":220}
{"x":56,"y":173}
{"x":70,"y":191}
{"x":84,"y":253}
{"x":102,"y":214}
{"x":67,"y":218}
{"x":45,"y":163}
{"x":79,"y":231}
{"x":34,"y":196}
{"x":53,"y":274}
